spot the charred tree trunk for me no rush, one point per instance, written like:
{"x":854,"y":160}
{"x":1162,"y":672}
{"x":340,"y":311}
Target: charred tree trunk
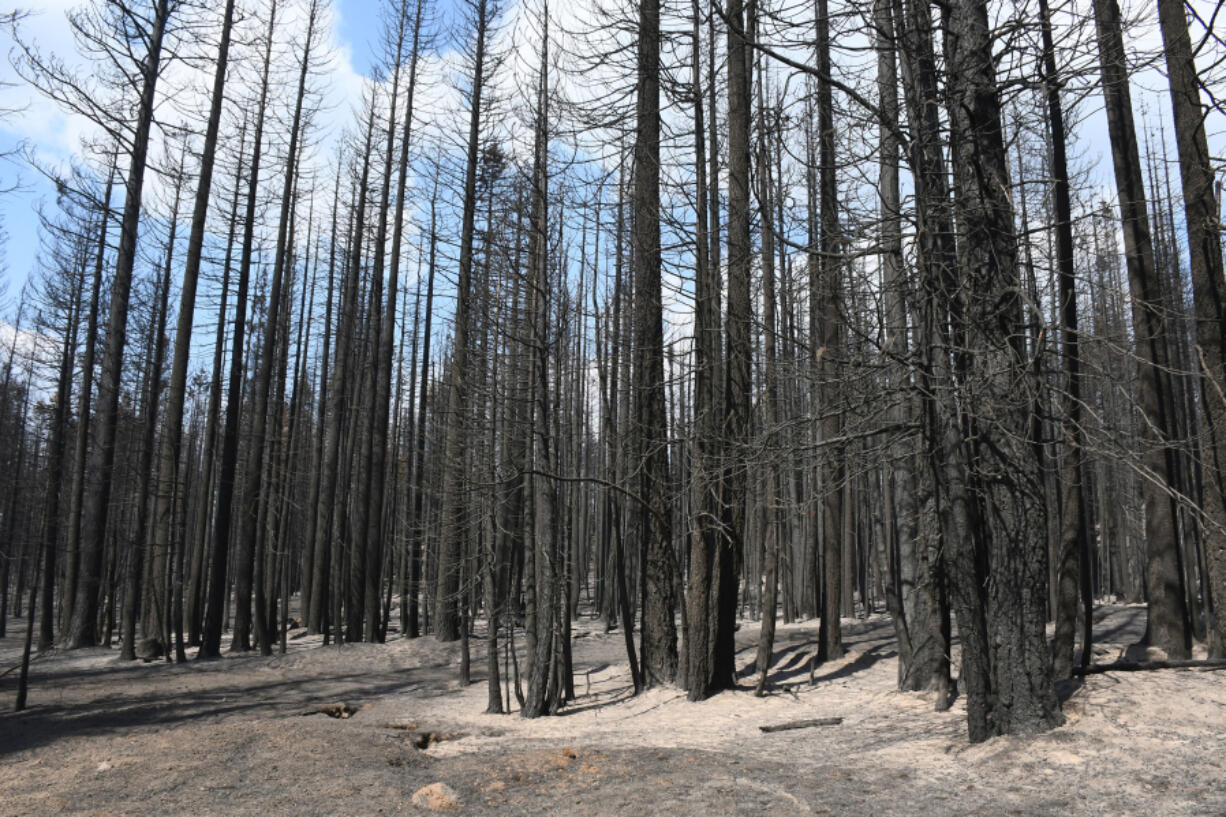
{"x":258,"y":491}
{"x":383,"y":363}
{"x":455,"y":525}
{"x":1208,"y":293}
{"x":1000,"y":386}
{"x":1072,"y":554}
{"x":218,"y":592}
{"x":705,"y":539}
{"x":737,"y":358}
{"x":825,"y":295}
{"x":172,"y":438}
{"x":1168,"y":625}
{"x":659,"y":636}
{"x":84,"y":401}
{"x":154,"y":599}
{"x":82,"y":626}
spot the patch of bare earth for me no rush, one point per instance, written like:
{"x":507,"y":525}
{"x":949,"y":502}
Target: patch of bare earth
{"x":323,"y":731}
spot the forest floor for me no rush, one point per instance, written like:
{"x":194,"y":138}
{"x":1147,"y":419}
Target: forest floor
{"x":230,"y":737}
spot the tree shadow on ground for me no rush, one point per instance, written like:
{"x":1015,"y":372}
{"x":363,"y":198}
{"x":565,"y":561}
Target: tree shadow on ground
{"x":1067,"y":688}
{"x":1109,"y":634}
{"x":875,"y":653}
{"x":118,"y":710}
{"x":608,"y":699}
{"x":790,"y":664}
{"x":785,"y":661}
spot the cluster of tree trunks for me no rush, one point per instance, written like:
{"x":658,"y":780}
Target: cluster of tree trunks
{"x":665,"y":390}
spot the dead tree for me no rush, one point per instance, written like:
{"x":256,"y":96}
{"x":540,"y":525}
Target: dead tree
{"x":1208,"y":293}
{"x":454,"y":524}
{"x":1168,"y":623}
{"x":1002,"y":469}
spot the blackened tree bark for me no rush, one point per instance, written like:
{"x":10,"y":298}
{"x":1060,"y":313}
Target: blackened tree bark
{"x":81,"y":628}
{"x":257,"y":490}
{"x":56,"y":445}
{"x":825,"y":295}
{"x":210,"y":643}
{"x":1208,"y":293}
{"x":418,"y":521}
{"x":737,"y":356}
{"x":410,"y":28}
{"x":80,"y":454}
{"x":8,"y":555}
{"x":999,"y":393}
{"x":172,"y":438}
{"x":914,"y":581}
{"x":366,"y":526}
{"x":544,"y":695}
{"x":615,"y":423}
{"x":940,"y":313}
{"x":1168,"y":623}
{"x":23,"y":676}
{"x":195,"y":601}
{"x":659,"y":636}
{"x":153,"y":600}
{"x":331,"y":404}
{"x":345,"y":403}
{"x":1072,"y":552}
{"x":705,"y":538}
{"x":770,"y":397}
{"x":455,"y":527}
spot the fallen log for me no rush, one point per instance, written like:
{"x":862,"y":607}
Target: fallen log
{"x":803,"y":724}
{"x":1141,"y":666}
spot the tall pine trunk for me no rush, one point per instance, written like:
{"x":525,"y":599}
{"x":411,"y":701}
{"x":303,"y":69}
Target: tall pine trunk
{"x":454,"y":515}
{"x":1072,"y":553}
{"x":96,"y":508}
{"x":172,"y":438}
{"x":257,"y":489}
{"x":659,"y":636}
{"x":1168,"y":624}
{"x":737,"y":381}
{"x":999,"y":380}
{"x":218,"y":592}
{"x":1208,"y":293}
{"x":705,"y":538}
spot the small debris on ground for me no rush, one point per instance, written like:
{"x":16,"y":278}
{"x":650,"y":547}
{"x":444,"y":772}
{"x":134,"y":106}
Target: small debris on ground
{"x":339,"y":710}
{"x":437,"y":797}
{"x":424,"y":740}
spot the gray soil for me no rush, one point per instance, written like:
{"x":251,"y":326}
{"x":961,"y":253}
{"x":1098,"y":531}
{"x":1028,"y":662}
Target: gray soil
{"x":230,"y":737}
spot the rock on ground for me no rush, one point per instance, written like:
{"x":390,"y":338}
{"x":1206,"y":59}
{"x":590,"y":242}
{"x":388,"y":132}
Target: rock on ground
{"x":437,"y":797}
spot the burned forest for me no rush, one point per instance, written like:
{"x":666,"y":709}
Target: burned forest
{"x":559,"y":404}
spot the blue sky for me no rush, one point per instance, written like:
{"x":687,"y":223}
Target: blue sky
{"x":355,"y":37}
{"x":36,"y":121}
{"x":357,"y":26}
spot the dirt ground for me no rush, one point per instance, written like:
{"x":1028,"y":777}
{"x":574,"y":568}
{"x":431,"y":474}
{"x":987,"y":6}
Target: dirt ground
{"x":230,"y":737}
